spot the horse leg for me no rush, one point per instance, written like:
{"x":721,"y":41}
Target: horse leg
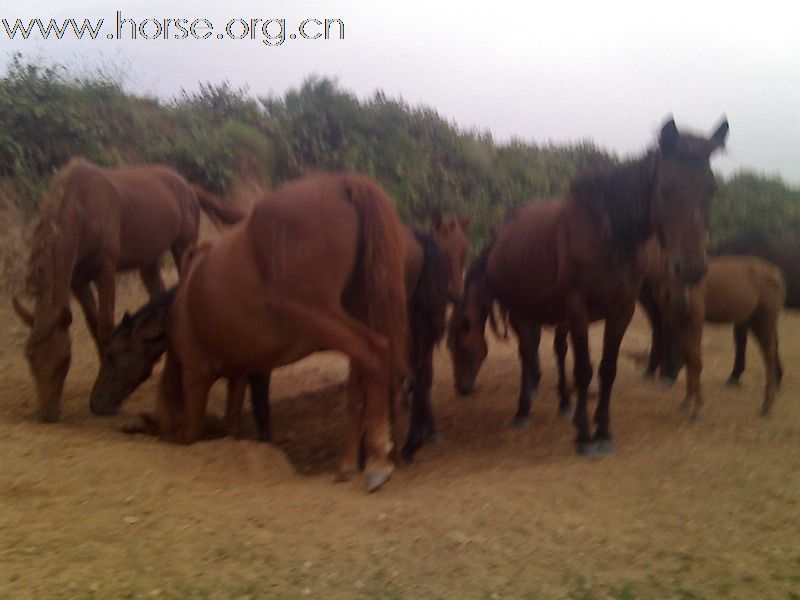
{"x":195,"y":385}
{"x":778,"y":365}
{"x":83,"y":292}
{"x":690,"y":335}
{"x":233,"y":406}
{"x":648,"y":302}
{"x":560,"y":349}
{"x":151,"y":278}
{"x":740,"y":343}
{"x":764,"y":328}
{"x":354,"y":408}
{"x":259,"y":398}
{"x":421,"y":423}
{"x":615,"y":327}
{"x":373,"y":389}
{"x":529,"y":335}
{"x":106,"y":285}
{"x":582,"y":370}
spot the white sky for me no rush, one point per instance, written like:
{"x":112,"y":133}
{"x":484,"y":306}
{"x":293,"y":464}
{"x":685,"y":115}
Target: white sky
{"x":558,"y":70}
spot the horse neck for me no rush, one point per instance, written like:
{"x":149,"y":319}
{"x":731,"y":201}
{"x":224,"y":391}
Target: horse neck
{"x":55,"y":249}
{"x":624,"y":197}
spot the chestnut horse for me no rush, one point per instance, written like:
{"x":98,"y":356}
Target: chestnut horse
{"x":93,"y":223}
{"x":140,"y":339}
{"x":784,"y":253}
{"x":318,"y":264}
{"x":743,"y":290}
{"x":580,"y":259}
{"x":450,"y":233}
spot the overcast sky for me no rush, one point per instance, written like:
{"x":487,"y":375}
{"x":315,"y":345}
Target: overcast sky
{"x":557,"y":71}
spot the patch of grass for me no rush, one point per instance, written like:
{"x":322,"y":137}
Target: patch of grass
{"x":579,"y":588}
{"x":626,"y":592}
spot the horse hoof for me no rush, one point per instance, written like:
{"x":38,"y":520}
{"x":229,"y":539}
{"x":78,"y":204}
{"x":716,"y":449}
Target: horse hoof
{"x":133,"y":425}
{"x":376,"y":477}
{"x":587,"y":449}
{"x":696,"y":419}
{"x":732,"y":381}
{"x":435,"y":438}
{"x":684,"y":406}
{"x":603,"y":447}
{"x":566,"y":411}
{"x":407,"y":454}
{"x":665,"y":381}
{"x":341,"y":477}
{"x":522,"y":422}
{"x":649,"y":375}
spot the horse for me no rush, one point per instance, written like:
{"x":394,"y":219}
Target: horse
{"x":579,"y":259}
{"x":139,"y":340}
{"x":783,"y":252}
{"x":450,"y":233}
{"x":744,"y":290}
{"x":93,"y":223}
{"x":317,"y":265}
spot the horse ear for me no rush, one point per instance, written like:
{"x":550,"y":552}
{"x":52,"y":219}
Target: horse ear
{"x":23,"y":314}
{"x":466,"y":221}
{"x":436,"y":219}
{"x":719,"y":136}
{"x":668,"y":139}
{"x":65,"y":318}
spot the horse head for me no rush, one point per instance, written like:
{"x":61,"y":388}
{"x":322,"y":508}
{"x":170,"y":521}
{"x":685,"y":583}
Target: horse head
{"x":449,"y":231}
{"x":466,"y":338}
{"x":48,"y":352}
{"x":683,"y":188}
{"x":136,"y":345}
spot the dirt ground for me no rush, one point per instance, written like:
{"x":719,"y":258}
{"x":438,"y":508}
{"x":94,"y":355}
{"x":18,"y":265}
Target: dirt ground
{"x":679,"y":511}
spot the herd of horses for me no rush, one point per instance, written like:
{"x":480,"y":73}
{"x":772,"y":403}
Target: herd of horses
{"x":325,"y":263}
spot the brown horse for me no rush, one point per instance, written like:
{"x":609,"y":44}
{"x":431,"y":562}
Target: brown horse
{"x":140,"y":339}
{"x":318,"y":264}
{"x":450,"y":233}
{"x":93,"y":223}
{"x":743,"y":290}
{"x":784,"y":253}
{"x":577,"y":260}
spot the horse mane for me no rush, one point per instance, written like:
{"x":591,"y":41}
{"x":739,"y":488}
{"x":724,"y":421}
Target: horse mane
{"x":619,"y":197}
{"x":39,"y":280}
{"x":152,"y":308}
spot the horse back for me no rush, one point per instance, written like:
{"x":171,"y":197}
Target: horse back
{"x":738,"y":286}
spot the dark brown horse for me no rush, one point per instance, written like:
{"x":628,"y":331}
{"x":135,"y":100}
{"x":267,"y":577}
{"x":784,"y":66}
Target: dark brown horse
{"x":743,"y":290}
{"x":318,"y":264}
{"x":578,"y":260}
{"x":140,"y":339}
{"x":93,"y":223}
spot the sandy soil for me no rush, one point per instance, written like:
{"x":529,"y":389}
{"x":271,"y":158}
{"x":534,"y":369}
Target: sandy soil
{"x":679,"y":511}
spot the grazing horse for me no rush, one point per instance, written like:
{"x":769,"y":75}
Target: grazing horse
{"x":93,"y":223}
{"x":140,"y":339}
{"x":580,"y":259}
{"x":318,"y":264}
{"x":743,"y":290}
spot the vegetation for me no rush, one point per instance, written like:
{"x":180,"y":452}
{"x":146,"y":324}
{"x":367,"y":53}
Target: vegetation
{"x":219,"y":133}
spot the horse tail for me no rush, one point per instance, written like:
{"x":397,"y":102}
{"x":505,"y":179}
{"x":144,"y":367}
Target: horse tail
{"x":381,"y":266}
{"x":215,"y":209}
{"x":428,"y":303}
